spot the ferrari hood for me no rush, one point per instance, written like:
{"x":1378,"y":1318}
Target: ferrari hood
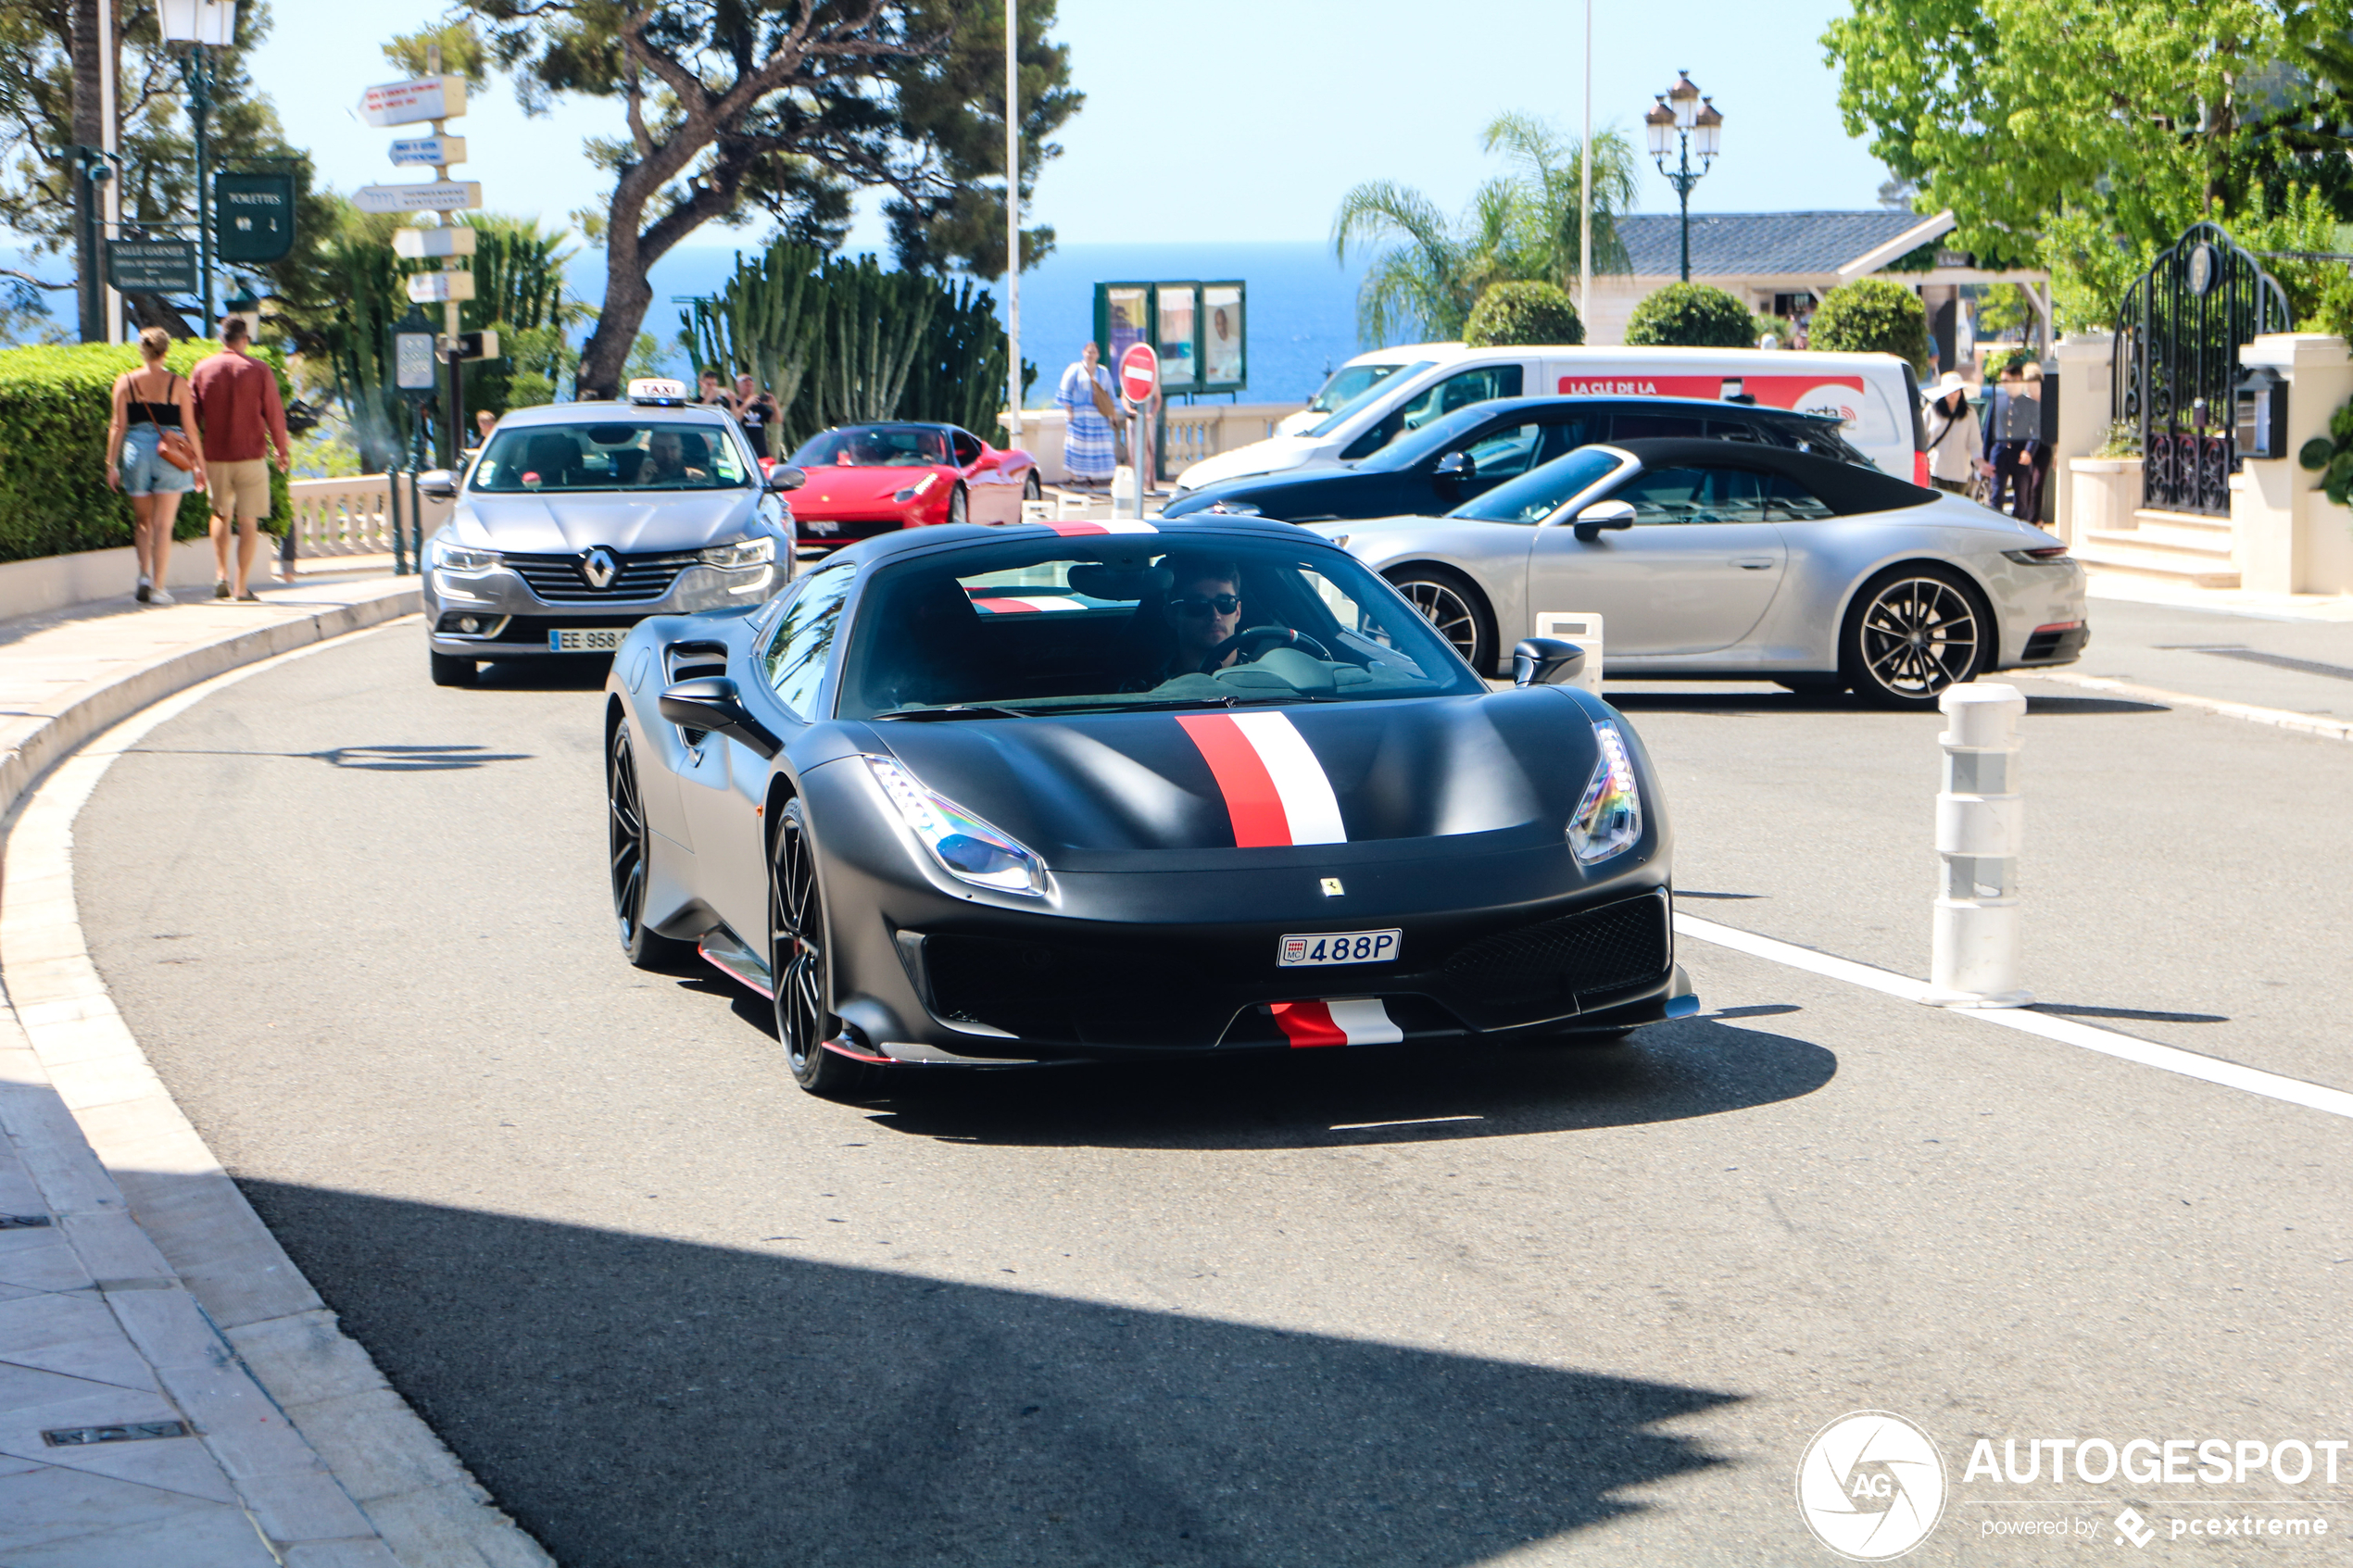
{"x":631,"y":523}
{"x":831,"y":487}
{"x":1264,"y":777}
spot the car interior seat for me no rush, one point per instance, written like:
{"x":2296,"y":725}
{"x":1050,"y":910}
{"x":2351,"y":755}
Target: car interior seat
{"x":553,"y":457}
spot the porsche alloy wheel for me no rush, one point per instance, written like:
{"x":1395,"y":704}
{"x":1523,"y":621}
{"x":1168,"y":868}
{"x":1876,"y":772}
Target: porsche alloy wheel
{"x":797,"y":963}
{"x":1453,"y":607}
{"x":1912,"y":634}
{"x":959,"y":506}
{"x":625,"y":844}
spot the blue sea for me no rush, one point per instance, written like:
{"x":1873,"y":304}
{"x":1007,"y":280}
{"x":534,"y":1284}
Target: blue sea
{"x":1302,"y":303}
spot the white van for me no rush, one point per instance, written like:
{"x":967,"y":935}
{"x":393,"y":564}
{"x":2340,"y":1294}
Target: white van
{"x":1355,"y":379}
{"x":1875,"y":394}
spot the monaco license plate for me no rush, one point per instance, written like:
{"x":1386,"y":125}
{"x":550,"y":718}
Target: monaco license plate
{"x":1338,"y":947}
{"x":585,"y":639}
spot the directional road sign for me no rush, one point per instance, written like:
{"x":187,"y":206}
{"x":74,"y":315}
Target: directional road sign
{"x":434,"y":195}
{"x":416,"y":245}
{"x":407,"y":103}
{"x":435,"y":288}
{"x":1139,"y":372}
{"x":253,"y":216}
{"x":438,"y":151}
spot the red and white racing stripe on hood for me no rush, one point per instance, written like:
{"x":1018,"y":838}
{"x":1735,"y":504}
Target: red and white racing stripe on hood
{"x":1080,"y":528}
{"x":1276,"y":791}
{"x":1352,"y":1021}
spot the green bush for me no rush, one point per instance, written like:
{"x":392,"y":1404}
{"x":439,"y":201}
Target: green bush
{"x":1691,"y":316}
{"x":1516,"y":313}
{"x":1873,"y":316}
{"x":55,"y":406}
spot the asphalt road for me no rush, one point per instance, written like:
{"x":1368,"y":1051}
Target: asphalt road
{"x":1354,"y":1309}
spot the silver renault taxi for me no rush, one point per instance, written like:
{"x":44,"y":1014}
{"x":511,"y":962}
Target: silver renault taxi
{"x":579,"y":520}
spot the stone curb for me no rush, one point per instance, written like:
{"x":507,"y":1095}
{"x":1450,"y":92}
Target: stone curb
{"x":332,"y":1466}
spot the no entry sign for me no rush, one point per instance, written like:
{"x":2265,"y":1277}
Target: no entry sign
{"x":1139,"y":372}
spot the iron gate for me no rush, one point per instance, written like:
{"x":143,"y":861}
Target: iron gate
{"x":2179,"y":332}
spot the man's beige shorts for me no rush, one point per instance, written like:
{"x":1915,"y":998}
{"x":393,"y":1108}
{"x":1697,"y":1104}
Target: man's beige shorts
{"x":241,"y":489}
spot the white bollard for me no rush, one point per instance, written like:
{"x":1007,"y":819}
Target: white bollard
{"x":1975,"y":954}
{"x":1039,"y":511}
{"x":1584,"y":628}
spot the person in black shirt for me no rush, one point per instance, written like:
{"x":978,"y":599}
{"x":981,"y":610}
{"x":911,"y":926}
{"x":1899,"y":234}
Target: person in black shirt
{"x":758,"y":412}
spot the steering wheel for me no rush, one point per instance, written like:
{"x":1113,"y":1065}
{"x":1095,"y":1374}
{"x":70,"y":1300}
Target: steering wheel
{"x":1258,"y":640}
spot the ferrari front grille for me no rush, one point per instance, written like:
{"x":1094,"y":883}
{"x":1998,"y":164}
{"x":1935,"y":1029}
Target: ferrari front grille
{"x":564,"y":578}
{"x":1601,"y":949}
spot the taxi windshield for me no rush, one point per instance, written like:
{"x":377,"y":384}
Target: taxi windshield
{"x":1107,"y":624}
{"x":876,"y":447}
{"x":610,"y":455}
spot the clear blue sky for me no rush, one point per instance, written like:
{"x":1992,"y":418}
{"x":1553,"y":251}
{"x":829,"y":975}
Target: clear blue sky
{"x":1231,"y":120}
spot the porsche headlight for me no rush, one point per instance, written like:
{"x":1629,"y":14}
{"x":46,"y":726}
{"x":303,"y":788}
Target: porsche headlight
{"x":451,"y":556}
{"x":746,"y":552}
{"x":916,"y":491}
{"x":1235,"y":509}
{"x":1609,"y":820}
{"x":967,"y":846}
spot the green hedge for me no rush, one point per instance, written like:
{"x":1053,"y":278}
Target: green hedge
{"x":1873,"y":316}
{"x":54,"y":405}
{"x":1691,"y":316}
{"x":1510,"y":314}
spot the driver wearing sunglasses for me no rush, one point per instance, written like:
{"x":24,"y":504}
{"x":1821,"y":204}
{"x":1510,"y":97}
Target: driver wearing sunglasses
{"x":1203,"y":609}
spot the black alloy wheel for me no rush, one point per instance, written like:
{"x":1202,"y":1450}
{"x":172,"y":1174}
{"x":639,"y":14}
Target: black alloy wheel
{"x":797,"y":964}
{"x":959,"y":506}
{"x":1913,"y":632}
{"x":1450,"y":604}
{"x":625,"y":844}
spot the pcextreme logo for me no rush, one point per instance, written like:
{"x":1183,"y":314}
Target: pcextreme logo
{"x":1871,"y":1486}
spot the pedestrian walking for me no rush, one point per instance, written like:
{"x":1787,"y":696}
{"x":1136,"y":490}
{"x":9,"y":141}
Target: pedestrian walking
{"x":757,"y":411}
{"x":152,"y":457}
{"x":1091,"y":444}
{"x":1956,"y":446}
{"x":2013,"y":432}
{"x":484,"y":422}
{"x":241,"y":418}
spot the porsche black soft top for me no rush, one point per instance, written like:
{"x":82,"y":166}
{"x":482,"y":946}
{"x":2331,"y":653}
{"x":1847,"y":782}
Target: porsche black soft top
{"x":1842,"y":487}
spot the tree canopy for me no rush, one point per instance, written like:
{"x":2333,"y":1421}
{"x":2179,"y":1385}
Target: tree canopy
{"x":1522,"y":226}
{"x":734,"y":109}
{"x":2085,"y":134}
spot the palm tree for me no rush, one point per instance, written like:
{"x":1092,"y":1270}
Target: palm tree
{"x":1521,"y":226}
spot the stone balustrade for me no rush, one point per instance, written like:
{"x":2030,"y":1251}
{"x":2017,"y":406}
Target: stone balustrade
{"x":352,"y":515}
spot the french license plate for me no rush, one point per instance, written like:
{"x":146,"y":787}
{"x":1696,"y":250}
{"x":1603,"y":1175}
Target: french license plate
{"x":1338,"y":947}
{"x":585,"y":639}
{"x":821,"y":525}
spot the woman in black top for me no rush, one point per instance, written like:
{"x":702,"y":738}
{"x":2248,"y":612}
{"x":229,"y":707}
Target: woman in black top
{"x":148,"y":403}
{"x":758,"y":411}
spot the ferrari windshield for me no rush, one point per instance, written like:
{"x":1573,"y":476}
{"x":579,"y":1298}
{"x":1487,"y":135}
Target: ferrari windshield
{"x":876,"y":447}
{"x":1097,"y":624}
{"x":611,"y":454}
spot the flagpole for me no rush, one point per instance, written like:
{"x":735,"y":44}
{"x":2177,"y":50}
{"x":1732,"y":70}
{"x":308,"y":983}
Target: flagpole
{"x":1012,"y":220}
{"x":1585,"y":189}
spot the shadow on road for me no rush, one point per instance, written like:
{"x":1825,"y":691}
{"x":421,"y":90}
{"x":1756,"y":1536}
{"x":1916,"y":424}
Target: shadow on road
{"x":633,"y":1400}
{"x":427,"y":758}
{"x":582,"y":672}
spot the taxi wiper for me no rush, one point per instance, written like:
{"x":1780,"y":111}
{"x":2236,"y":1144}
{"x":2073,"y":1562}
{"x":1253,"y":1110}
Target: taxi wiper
{"x":959,"y":710}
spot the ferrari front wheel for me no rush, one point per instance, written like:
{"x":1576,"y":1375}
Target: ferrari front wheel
{"x":1032,"y":489}
{"x":959,"y":507}
{"x":797,"y":963}
{"x":626,"y":847}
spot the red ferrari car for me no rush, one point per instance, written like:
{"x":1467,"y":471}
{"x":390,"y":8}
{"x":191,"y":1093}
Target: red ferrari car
{"x":865,"y":480}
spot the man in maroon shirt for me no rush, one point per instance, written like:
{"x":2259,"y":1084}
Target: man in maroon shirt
{"x":238,"y":410}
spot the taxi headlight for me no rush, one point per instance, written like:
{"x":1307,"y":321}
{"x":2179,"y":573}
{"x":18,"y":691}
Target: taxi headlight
{"x":1609,"y":820}
{"x":746,"y":552}
{"x":451,"y":556}
{"x":960,"y":842}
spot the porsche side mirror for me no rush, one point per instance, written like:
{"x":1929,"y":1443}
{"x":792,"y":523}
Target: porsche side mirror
{"x":710,"y":702}
{"x":1601,"y":515}
{"x":1542,"y":661}
{"x":1457,"y":466}
{"x":784,"y":476}
{"x":437,"y":485}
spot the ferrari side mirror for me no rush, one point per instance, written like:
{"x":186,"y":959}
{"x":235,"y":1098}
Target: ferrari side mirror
{"x":1601,"y":515}
{"x":784,"y":476}
{"x":711,"y":702}
{"x":1543,"y":662}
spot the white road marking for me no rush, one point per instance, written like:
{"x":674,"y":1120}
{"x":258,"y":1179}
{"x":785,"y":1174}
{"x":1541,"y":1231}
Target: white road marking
{"x":2065,"y":1030}
{"x":2278,"y":717}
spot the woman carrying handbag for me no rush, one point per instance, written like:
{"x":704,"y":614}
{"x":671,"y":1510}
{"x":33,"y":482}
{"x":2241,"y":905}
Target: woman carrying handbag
{"x":153,"y":455}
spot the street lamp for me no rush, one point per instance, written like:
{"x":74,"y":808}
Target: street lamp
{"x":200,"y":24}
{"x":1684,"y":117}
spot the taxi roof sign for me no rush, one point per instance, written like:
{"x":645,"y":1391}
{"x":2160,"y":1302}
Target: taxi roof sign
{"x":657,"y":391}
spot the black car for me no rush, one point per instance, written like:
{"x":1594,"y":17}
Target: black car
{"x":1450,"y":460}
{"x":1011,"y":794}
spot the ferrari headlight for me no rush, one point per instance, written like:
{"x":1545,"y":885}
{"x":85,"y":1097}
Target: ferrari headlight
{"x":1609,"y":820}
{"x":967,"y":846}
{"x":917,"y":489}
{"x":746,"y":552}
{"x":452,"y":556}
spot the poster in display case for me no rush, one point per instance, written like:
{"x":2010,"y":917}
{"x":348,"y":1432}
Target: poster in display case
{"x":1198,"y":331}
{"x":1221,"y":337}
{"x":1176,"y":325}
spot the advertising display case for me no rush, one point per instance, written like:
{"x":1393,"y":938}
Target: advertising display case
{"x":1200,"y":331}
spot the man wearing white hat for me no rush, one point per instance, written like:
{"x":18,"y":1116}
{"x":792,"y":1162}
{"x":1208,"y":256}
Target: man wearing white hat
{"x":1956,"y":446}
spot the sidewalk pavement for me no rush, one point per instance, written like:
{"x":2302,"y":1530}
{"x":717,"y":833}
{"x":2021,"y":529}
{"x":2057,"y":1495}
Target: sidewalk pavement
{"x":171,"y":1391}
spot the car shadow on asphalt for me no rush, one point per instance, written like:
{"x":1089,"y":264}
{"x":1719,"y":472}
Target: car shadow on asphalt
{"x":631,"y":1400}
{"x":584,"y":672}
{"x":1340,"y":1098}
